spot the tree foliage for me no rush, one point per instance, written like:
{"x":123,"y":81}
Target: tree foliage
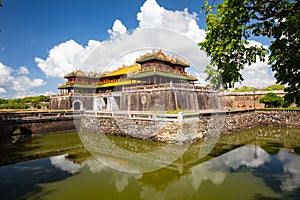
{"x":213,"y":77}
{"x":230,"y":24}
{"x":275,"y":87}
{"x":271,"y":100}
{"x":22,"y":103}
{"x":244,"y":89}
{"x":226,"y":40}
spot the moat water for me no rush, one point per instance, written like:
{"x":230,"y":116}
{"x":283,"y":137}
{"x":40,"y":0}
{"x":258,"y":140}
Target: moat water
{"x":259,"y":163}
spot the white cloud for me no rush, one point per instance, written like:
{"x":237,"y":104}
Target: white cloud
{"x":258,"y":75}
{"x":5,"y":75}
{"x":48,"y":93}
{"x":117,"y":29}
{"x":22,"y":85}
{"x":23,"y":70}
{"x":150,"y":15}
{"x":65,"y":165}
{"x":2,"y":90}
{"x":291,"y":167}
{"x":176,"y":32}
{"x":61,"y":59}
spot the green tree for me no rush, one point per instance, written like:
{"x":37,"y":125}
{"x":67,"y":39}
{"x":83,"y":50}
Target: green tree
{"x":34,"y":102}
{"x":43,"y":98}
{"x":20,"y":103}
{"x":213,"y":77}
{"x":275,"y":87}
{"x":271,"y":100}
{"x":230,"y":24}
{"x":244,"y":89}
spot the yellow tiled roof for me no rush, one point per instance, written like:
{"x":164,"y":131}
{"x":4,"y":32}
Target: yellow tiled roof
{"x":124,"y":70}
{"x":118,"y":83}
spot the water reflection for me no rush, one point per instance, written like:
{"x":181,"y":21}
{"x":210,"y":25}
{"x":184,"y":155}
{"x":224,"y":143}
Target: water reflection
{"x":254,"y":164}
{"x":290,"y":179}
{"x":226,"y":171}
{"x":65,"y":164}
{"x":131,"y":155}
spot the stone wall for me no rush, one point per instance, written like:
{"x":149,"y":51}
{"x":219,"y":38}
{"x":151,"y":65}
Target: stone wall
{"x":65,"y":102}
{"x":53,"y":127}
{"x":190,"y":130}
{"x":152,"y":99}
{"x":38,"y":127}
{"x":246,"y":100}
{"x":169,"y":99}
{"x":277,"y":118}
{"x":164,"y":99}
{"x":60,"y":102}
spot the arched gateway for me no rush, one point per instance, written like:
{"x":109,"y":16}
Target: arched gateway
{"x":77,"y":105}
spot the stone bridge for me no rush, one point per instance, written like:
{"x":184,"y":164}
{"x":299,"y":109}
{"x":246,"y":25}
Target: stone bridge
{"x":36,"y":123}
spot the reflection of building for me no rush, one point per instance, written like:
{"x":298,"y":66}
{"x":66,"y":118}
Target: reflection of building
{"x":155,"y":82}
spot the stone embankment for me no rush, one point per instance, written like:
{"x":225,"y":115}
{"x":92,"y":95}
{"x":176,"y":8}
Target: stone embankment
{"x":278,"y":118}
{"x":190,"y":129}
{"x":36,"y":122}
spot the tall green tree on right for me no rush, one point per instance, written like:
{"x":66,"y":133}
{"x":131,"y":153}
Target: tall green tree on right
{"x":271,"y":100}
{"x":231,"y":23}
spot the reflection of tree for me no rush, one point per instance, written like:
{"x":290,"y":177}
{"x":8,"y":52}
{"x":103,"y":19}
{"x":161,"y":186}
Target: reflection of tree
{"x":272,"y":147}
{"x":160,"y":179}
{"x":297,"y":150}
{"x":29,"y":148}
{"x":26,"y":179}
{"x":79,"y":156}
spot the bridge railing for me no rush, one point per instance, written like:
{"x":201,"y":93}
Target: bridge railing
{"x":178,"y":117}
{"x":27,"y":115}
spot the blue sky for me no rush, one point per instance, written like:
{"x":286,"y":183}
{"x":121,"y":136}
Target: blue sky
{"x":40,"y":40}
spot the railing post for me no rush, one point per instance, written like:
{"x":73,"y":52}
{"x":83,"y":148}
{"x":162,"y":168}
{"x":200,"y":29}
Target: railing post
{"x":180,"y":117}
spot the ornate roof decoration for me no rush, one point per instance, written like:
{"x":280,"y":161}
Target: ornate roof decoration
{"x":74,"y":73}
{"x":159,"y":55}
{"x":79,"y":73}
